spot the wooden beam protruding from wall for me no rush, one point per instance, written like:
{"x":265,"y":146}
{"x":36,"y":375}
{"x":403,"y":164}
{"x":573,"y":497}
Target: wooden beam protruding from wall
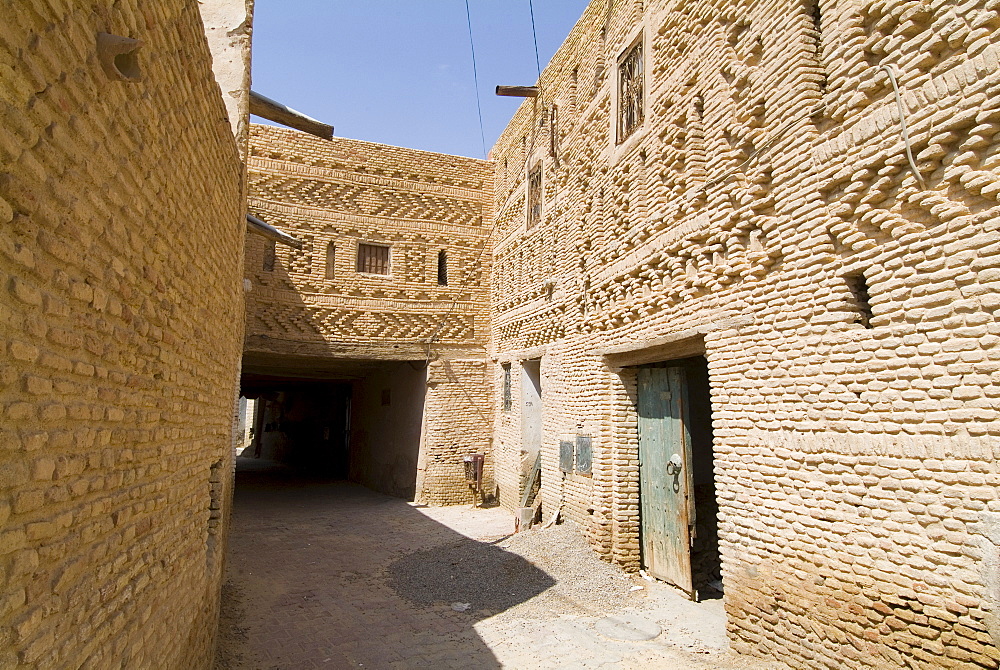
{"x":270,"y":232}
{"x":518,"y":91}
{"x":272,"y":110}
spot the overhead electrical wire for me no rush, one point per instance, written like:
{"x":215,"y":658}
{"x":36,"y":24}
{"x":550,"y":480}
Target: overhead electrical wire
{"x":534,"y":36}
{"x":475,"y":77}
{"x":534,"y":123}
{"x":482,"y":249}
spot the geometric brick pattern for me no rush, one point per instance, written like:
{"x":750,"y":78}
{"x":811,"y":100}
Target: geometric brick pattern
{"x":339,"y":194}
{"x":854,"y":464}
{"x":345,"y":193}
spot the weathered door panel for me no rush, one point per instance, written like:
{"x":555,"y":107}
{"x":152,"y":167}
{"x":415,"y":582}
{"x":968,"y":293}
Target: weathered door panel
{"x":665,"y":486}
{"x":531,"y":407}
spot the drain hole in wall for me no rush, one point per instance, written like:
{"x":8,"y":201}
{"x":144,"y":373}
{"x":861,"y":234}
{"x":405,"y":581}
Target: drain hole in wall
{"x":119,"y":56}
{"x":128,"y":65}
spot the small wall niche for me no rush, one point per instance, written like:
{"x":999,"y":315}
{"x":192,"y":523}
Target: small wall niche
{"x":442,"y":268}
{"x":858,"y":286}
{"x":269,"y":256}
{"x":331,"y":257}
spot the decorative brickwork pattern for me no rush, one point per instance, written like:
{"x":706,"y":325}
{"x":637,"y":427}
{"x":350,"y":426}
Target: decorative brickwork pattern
{"x":121,"y":309}
{"x":352,"y":194}
{"x":768,"y":173}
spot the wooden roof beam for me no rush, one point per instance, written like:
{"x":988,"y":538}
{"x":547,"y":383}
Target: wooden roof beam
{"x":518,"y":91}
{"x":255,"y":225}
{"x":272,"y":110}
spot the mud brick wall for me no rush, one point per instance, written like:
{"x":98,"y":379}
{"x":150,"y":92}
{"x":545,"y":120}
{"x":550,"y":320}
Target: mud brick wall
{"x":458,"y":421}
{"x":345,"y":192}
{"x":855,"y":450}
{"x":121,"y":310}
{"x":314,"y":302}
{"x":388,"y":411}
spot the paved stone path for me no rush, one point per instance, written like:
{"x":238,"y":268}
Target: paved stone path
{"x":308,"y":585}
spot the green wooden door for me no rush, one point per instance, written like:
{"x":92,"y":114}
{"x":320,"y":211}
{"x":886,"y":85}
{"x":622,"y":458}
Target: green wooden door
{"x":665,"y":487}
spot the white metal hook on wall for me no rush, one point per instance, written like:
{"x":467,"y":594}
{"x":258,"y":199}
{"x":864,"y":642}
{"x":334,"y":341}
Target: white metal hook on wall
{"x":902,"y":124}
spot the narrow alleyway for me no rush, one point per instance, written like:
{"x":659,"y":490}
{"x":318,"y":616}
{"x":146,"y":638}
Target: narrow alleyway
{"x":332,"y":575}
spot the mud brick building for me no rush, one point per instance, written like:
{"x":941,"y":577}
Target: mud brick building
{"x":720,"y":284}
{"x":367,"y":346}
{"x":730,"y":280}
{"x":122,"y":218}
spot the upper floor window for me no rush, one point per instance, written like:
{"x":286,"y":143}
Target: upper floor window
{"x":535,"y":195}
{"x":373,"y":259}
{"x":506,"y":394}
{"x":442,"y":268}
{"x":858,"y":286}
{"x":331,"y":256}
{"x":630,"y":91}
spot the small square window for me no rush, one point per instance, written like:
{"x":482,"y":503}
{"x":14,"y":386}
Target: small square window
{"x":630,"y":92}
{"x":373,"y":259}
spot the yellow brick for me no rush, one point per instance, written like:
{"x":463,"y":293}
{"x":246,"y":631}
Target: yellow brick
{"x":23,"y":351}
{"x":25,"y":292}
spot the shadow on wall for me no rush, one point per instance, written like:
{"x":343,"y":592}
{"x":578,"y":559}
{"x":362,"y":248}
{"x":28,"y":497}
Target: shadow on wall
{"x":334,"y":573}
{"x":387,"y":415}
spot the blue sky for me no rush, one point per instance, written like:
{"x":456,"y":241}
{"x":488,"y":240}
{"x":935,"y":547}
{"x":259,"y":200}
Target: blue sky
{"x":400,"y":71}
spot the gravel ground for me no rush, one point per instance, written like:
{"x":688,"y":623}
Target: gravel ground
{"x":332,"y":575}
{"x":537,"y":574}
{"x":584,"y":583}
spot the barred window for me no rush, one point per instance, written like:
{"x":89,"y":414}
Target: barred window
{"x":373,"y":259}
{"x":507,"y":404}
{"x":630,"y":92}
{"x":535,"y":196}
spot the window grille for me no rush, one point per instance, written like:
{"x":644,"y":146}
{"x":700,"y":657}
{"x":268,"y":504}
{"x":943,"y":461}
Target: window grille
{"x":331,"y":255}
{"x":535,"y":196}
{"x":373,"y":259}
{"x":442,"y":268}
{"x":630,"y":93}
{"x":507,"y":404}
